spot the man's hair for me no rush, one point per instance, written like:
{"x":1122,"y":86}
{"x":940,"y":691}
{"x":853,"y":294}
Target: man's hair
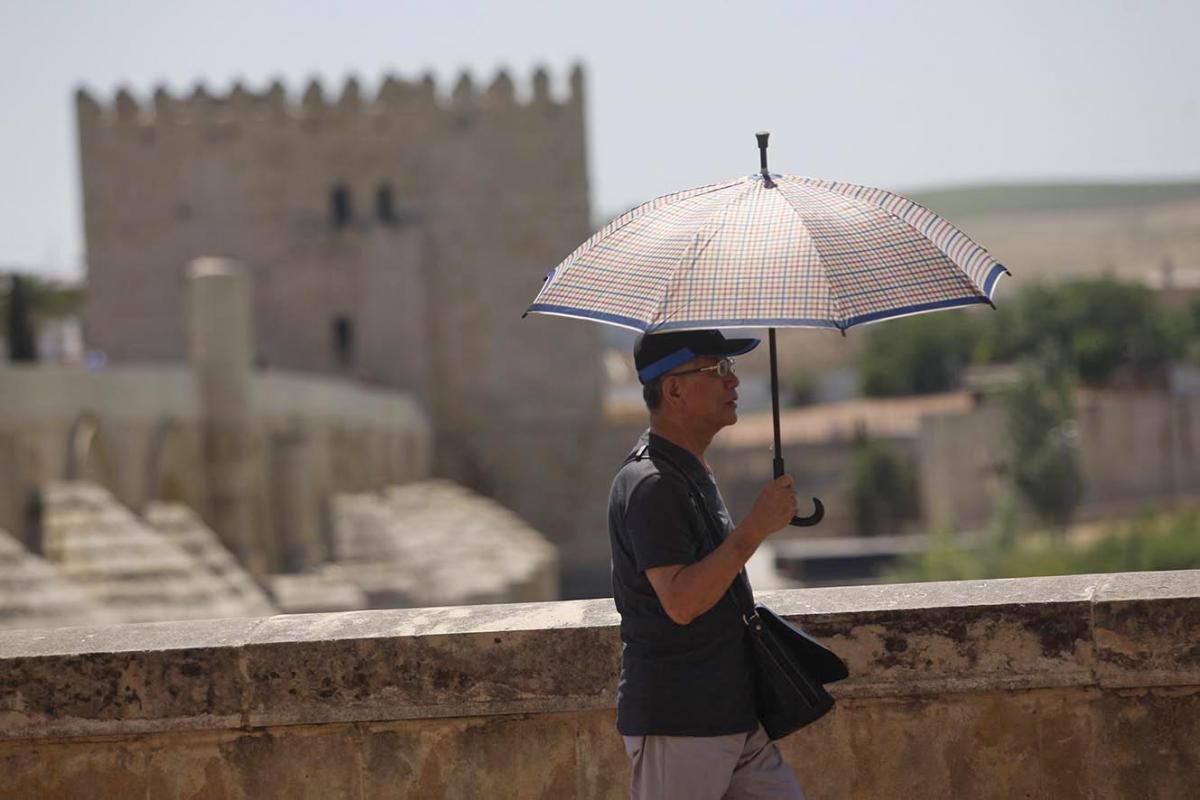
{"x":652,"y":394}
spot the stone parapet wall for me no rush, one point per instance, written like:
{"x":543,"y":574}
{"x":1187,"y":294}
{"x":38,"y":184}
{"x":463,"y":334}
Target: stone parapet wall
{"x":1073,"y":687}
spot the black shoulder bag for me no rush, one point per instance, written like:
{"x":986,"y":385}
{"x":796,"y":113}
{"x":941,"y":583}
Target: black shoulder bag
{"x":790,"y":666}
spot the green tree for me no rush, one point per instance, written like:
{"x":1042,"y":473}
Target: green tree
{"x":883,"y":487}
{"x":1046,"y":467}
{"x":944,"y":560}
{"x":1153,"y":541}
{"x":1150,"y":542}
{"x":922,"y":354}
{"x":21,"y":344}
{"x":801,"y":387}
{"x":36,"y":300}
{"x":1095,"y":326}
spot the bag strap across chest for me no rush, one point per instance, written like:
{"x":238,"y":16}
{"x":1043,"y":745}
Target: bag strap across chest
{"x":739,"y":591}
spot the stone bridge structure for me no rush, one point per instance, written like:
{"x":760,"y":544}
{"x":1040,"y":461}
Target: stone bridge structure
{"x":256,"y":453}
{"x":1056,"y":688}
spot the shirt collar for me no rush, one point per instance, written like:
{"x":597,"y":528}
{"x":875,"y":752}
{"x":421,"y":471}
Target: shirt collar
{"x":682,"y":458}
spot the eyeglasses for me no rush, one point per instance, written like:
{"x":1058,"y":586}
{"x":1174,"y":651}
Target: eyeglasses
{"x":722,"y":369}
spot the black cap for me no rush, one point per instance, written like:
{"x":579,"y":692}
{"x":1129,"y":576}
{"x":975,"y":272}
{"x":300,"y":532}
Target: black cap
{"x":656,"y":354}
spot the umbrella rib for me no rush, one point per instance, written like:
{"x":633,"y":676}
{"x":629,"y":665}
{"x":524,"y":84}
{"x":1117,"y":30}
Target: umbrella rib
{"x":843,"y":318}
{"x":640,"y":210}
{"x":893,"y":197}
{"x":722,"y":215}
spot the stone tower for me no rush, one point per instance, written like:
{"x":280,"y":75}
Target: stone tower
{"x":394,"y":239}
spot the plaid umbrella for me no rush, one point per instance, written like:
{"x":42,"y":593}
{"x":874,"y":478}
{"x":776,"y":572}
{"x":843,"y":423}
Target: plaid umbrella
{"x":769,"y":251}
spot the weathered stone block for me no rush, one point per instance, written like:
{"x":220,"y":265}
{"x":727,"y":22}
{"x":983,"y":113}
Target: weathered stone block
{"x":979,"y":751}
{"x":1148,"y":629}
{"x":95,"y":770}
{"x":1146,"y":745}
{"x":24,"y":770}
{"x":822,"y":755}
{"x":70,"y":695}
{"x":191,"y":767}
{"x":147,"y":677}
{"x":196,"y":688}
{"x":1066,"y":758}
{"x":496,"y":757}
{"x":295,"y":762}
{"x":995,"y":745}
{"x":910,"y":638}
{"x":379,"y":677}
{"x":602,"y":766}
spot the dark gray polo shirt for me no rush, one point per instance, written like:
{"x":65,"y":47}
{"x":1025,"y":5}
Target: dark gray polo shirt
{"x":676,"y":680}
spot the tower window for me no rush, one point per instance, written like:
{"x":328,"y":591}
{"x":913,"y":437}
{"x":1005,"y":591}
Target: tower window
{"x":340,"y":205}
{"x":384,"y":205}
{"x":343,"y":341}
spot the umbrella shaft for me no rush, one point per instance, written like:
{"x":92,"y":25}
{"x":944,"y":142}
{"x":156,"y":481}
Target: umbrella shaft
{"x":778,"y":461}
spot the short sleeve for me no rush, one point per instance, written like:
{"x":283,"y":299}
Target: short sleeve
{"x":660,"y":524}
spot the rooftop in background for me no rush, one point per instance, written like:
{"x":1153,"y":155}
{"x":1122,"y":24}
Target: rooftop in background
{"x":884,"y":417}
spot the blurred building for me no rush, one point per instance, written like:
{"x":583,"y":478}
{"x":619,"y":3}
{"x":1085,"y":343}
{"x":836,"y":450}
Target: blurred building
{"x":1136,"y":447}
{"x":393,"y":239}
{"x":161,"y":492}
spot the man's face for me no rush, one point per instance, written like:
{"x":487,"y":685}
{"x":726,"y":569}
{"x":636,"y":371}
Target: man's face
{"x":706,"y":399}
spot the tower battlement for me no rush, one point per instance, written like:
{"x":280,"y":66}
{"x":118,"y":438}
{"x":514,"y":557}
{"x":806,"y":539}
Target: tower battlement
{"x":395,"y":97}
{"x":391,"y":230}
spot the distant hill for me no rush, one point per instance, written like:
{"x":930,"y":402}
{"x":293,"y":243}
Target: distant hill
{"x":976,"y":201}
{"x":983,"y":200}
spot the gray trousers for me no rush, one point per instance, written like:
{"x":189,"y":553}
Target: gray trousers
{"x":740,"y":766}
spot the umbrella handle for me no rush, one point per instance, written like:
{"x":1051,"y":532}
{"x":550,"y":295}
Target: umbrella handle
{"x":813,"y":518}
{"x":818,"y":507}
{"x":777,"y":463}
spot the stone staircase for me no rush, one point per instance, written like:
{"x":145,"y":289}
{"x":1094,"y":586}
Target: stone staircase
{"x":182,"y":526}
{"x":135,"y":571}
{"x":434,"y":543}
{"x":34,"y":595}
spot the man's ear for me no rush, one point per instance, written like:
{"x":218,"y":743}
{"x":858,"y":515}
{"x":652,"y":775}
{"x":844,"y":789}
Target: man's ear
{"x":672,"y":390}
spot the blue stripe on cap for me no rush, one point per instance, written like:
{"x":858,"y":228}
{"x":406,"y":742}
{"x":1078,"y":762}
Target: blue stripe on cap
{"x":665,"y":364}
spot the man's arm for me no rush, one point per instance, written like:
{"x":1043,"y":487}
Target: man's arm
{"x":688,"y":590}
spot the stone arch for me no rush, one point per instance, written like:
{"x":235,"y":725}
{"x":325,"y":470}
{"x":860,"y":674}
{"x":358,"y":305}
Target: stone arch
{"x":398,"y":466}
{"x":166,"y":465}
{"x":89,"y":455}
{"x":341,"y":205}
{"x":385,"y":203}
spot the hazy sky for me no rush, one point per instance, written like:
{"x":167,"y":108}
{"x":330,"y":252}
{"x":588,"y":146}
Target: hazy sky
{"x":903,"y":95}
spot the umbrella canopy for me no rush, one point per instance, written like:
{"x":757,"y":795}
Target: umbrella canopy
{"x":770,"y":251}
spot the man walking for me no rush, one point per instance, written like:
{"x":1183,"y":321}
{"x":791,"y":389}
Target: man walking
{"x":686,"y":695}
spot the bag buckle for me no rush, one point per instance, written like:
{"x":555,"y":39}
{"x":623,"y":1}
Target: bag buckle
{"x":751,"y":618}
